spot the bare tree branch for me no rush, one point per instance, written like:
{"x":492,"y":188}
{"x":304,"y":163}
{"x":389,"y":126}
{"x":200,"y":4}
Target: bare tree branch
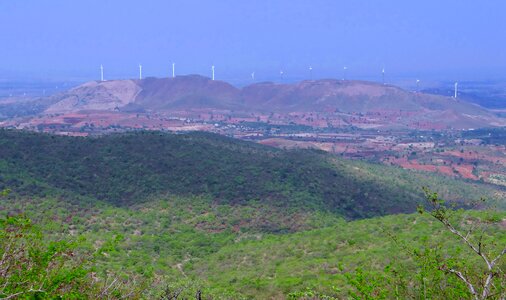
{"x":464,"y":279}
{"x":494,"y":261}
{"x":21,"y":293}
{"x":466,"y":240}
{"x":443,"y":214}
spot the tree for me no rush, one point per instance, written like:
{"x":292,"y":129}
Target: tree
{"x":30,"y":268}
{"x":481,"y":288}
{"x":432,"y":270}
{"x":35,"y":267}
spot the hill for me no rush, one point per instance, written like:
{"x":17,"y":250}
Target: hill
{"x":322,"y":259}
{"x":182,"y":92}
{"x":169,"y":242}
{"x":329,"y":96}
{"x":344,"y":95}
{"x":239,"y":219}
{"x":360,"y":97}
{"x":125,"y":169}
{"x":94,"y":95}
{"x":186,"y":92}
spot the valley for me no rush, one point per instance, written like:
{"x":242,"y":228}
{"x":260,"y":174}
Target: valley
{"x":351,"y":119}
{"x":233,"y":219}
{"x":268,"y":191}
{"x":243,"y":150}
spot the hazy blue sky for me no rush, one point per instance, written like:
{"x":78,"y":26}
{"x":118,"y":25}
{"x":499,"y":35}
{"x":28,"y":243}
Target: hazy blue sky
{"x":450,"y":39}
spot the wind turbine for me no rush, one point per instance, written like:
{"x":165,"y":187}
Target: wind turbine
{"x":418,"y":85}
{"x":281,"y":74}
{"x":311,"y":72}
{"x":253,"y":76}
{"x":383,"y":75}
{"x":212,"y":68}
{"x":173,"y":70}
{"x":140,"y":71}
{"x":344,"y":72}
{"x":456,"y":89}
{"x":101,"y":73}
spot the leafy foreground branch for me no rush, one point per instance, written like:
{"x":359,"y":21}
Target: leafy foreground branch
{"x":31,"y":267}
{"x":462,"y":259}
{"x":482,"y":288}
{"x":38,"y":265}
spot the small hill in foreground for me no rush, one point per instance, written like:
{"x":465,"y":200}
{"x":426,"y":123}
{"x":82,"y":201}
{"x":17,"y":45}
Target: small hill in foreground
{"x":127,"y":169}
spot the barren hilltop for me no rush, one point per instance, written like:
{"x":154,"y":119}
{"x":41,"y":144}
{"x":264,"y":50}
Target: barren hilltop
{"x":336,"y":102}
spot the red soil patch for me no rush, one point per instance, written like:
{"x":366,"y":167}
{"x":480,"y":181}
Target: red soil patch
{"x":463,"y":170}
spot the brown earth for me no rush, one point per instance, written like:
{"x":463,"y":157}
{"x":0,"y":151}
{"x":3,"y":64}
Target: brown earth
{"x":334,"y":102}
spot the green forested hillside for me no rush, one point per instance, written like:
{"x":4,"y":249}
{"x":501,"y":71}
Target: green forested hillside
{"x":229,"y":218}
{"x":322,"y":259}
{"x":130,"y":168}
{"x":220,"y":249}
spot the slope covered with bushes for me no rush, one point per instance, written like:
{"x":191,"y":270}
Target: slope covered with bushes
{"x":130,"y":168}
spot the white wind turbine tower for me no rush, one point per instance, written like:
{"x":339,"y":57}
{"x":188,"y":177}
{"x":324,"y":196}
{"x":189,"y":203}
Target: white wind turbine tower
{"x":281,"y":73}
{"x":383,"y":75}
{"x":253,"y":76}
{"x":212,"y":68}
{"x":173,"y":70}
{"x":101,"y":73}
{"x":140,"y":71}
{"x":311,"y":72}
{"x":456,"y":89}
{"x":418,"y":85}
{"x":344,"y":72}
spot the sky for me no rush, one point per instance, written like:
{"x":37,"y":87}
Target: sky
{"x":429,"y":39}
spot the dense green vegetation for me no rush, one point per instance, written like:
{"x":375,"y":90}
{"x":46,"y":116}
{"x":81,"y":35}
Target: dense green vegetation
{"x":219,"y":250}
{"x":38,"y":262}
{"x":124,"y":169}
{"x":32,"y":268}
{"x":156,"y":214}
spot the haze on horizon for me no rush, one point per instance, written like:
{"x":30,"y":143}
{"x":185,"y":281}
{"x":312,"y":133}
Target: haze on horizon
{"x":443,"y":40}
